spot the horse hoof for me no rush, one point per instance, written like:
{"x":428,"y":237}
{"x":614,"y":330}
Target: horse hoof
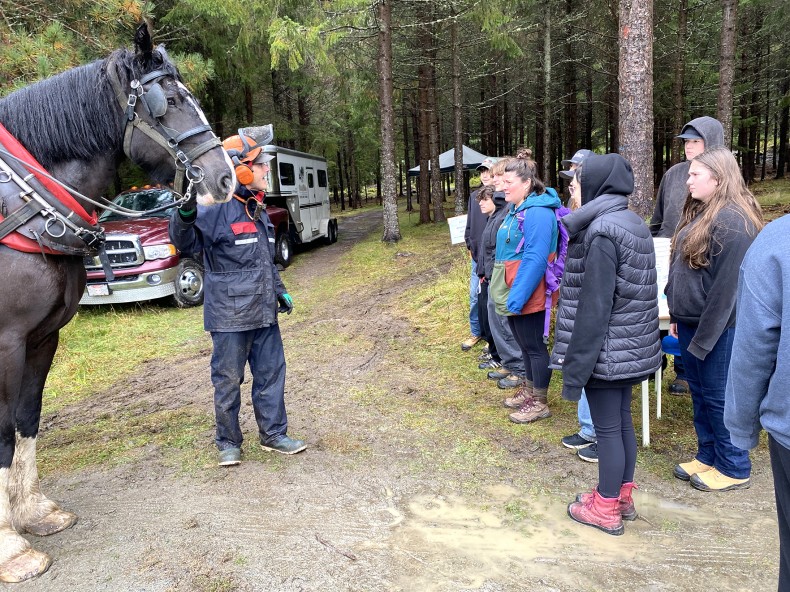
{"x":51,"y":523}
{"x":28,"y":564}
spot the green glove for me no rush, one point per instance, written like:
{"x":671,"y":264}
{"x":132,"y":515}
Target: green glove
{"x":286,"y":303}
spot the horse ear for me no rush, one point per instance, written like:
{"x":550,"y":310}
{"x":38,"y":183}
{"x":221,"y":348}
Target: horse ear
{"x":142,"y":44}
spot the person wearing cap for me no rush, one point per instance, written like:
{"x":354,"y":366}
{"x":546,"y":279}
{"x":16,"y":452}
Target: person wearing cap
{"x":584,"y":442}
{"x":243,"y":294}
{"x":475,"y":223}
{"x":698,"y":135}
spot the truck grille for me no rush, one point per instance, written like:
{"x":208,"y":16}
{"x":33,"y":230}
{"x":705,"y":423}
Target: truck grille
{"x":123,"y":250}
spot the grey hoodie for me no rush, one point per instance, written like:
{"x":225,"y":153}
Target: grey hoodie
{"x":672,"y":191}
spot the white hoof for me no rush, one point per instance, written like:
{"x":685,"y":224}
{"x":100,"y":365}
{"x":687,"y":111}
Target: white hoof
{"x":28,"y":564}
{"x":53,"y":522}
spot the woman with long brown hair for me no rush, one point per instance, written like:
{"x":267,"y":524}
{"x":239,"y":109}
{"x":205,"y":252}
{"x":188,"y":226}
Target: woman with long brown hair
{"x":719,"y":221}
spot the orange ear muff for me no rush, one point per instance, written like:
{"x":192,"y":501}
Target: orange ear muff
{"x":244,"y":174}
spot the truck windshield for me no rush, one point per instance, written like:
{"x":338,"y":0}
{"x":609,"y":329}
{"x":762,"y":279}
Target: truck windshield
{"x":140,"y":201}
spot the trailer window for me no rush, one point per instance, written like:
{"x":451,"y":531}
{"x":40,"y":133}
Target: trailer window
{"x":287,"y":174}
{"x":321,"y":178}
{"x":310,"y":180}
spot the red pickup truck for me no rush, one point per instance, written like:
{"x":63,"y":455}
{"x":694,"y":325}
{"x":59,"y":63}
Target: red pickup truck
{"x":145,"y":263}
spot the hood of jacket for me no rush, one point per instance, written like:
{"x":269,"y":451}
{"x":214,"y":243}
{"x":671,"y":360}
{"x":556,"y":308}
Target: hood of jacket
{"x":605,"y":174}
{"x":547,"y":199}
{"x":710,"y":129}
{"x":499,"y":200}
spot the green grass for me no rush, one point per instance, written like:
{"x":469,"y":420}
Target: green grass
{"x":102,"y":345}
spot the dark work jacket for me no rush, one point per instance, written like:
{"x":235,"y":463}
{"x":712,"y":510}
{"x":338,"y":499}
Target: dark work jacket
{"x":606,"y":332}
{"x":487,"y":249}
{"x":475,"y":223}
{"x":241,"y":280}
{"x":705,"y":298}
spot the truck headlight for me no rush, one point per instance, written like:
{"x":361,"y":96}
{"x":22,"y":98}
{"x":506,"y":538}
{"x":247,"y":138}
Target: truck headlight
{"x":159,"y":252}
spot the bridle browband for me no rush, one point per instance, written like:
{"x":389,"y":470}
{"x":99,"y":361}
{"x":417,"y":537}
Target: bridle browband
{"x":155,"y":104}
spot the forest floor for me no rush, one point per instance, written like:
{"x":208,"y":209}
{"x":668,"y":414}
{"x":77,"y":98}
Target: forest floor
{"x":401,"y":488}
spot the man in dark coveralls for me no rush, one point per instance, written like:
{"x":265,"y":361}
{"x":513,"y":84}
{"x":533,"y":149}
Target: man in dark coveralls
{"x":243,"y":294}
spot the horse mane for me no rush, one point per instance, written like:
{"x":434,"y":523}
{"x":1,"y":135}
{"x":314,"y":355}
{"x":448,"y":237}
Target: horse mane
{"x":75,"y":115}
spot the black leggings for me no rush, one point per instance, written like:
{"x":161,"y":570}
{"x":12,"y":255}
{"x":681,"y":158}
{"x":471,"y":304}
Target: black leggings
{"x":610,"y":408}
{"x":528,"y":331}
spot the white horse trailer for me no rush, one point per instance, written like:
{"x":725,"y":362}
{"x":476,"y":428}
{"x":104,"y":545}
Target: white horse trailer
{"x":298,"y":182}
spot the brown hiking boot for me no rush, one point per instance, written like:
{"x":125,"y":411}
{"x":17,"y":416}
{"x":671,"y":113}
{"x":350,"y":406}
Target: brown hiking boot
{"x":531,"y":410}
{"x":600,"y":512}
{"x":523,"y":393}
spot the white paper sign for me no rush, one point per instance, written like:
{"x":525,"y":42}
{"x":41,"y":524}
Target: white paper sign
{"x":457,"y":229}
{"x":662,"y":246}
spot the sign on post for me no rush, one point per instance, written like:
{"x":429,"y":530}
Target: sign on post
{"x":457,"y":229}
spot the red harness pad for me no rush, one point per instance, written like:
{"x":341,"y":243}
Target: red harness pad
{"x":15,"y":240}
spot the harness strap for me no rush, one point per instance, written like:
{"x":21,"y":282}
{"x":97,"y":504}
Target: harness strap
{"x":18,"y":217}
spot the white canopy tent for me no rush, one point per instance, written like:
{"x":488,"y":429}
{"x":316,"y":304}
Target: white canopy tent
{"x":471,"y":159}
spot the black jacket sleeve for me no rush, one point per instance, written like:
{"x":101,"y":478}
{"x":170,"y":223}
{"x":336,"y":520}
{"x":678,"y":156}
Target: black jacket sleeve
{"x":592,"y":317}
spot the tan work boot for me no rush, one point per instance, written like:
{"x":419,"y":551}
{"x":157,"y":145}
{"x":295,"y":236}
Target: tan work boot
{"x":470,"y":342}
{"x":522,"y":394}
{"x":713,"y":480}
{"x":684,"y":471}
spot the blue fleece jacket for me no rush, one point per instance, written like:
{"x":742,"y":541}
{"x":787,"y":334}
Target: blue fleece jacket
{"x":759,"y":375}
{"x":540,"y":239}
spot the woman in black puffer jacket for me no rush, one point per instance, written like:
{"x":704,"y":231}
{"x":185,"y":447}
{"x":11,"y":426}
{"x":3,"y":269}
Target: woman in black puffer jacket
{"x":607,"y":336}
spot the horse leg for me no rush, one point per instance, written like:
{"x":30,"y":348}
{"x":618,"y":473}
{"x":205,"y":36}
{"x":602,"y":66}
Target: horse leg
{"x":32,"y":511}
{"x":18,"y":560}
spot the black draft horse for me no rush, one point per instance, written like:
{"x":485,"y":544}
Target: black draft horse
{"x":77,"y":125}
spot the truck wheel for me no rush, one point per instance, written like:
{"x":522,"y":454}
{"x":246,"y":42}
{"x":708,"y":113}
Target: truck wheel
{"x":283,"y":249}
{"x":331,"y":233}
{"x":189,"y":284}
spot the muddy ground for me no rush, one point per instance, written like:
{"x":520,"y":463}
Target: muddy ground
{"x":389,"y":496}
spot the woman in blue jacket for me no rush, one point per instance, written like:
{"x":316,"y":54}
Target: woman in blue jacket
{"x":525,"y":241}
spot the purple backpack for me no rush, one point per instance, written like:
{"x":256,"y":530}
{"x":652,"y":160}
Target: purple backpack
{"x":554,"y":269}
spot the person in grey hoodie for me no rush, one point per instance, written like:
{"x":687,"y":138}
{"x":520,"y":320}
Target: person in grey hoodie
{"x":756,"y":395}
{"x":719,"y":223}
{"x":697,"y":135}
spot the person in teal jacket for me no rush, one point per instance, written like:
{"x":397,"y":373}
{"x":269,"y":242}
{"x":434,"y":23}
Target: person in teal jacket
{"x":526,"y":242}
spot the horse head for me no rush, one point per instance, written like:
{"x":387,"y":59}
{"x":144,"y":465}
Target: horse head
{"x":165,"y":130}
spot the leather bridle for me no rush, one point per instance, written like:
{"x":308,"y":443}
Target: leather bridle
{"x":148,"y":92}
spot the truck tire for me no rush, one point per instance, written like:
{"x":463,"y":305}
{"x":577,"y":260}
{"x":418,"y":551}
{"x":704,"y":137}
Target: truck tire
{"x":189,"y":284}
{"x":283,"y":249}
{"x":331,"y":233}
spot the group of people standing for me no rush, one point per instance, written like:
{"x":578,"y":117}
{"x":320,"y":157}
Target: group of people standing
{"x":607,"y":336}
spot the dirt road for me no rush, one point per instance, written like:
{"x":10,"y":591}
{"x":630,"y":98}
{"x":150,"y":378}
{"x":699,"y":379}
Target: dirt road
{"x":391,"y":495}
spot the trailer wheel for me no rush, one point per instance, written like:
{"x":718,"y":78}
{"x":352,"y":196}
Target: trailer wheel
{"x":189,"y":284}
{"x":283,"y":249}
{"x":331,"y":233}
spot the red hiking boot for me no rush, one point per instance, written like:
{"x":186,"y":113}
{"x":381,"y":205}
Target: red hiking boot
{"x":599,"y":512}
{"x":625,"y":501}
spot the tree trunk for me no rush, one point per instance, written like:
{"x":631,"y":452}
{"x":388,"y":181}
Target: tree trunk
{"x":727,"y":68}
{"x":386,"y":186}
{"x":588,"y":110}
{"x":340,"y":168}
{"x":423,"y":186}
{"x":678,"y":99}
{"x":303,"y":109}
{"x":784,"y":122}
{"x":249,"y":113}
{"x":571,"y":107}
{"x":406,"y":159}
{"x":546,"y":162}
{"x":458,"y":131}
{"x":437,"y":194}
{"x":636,"y":98}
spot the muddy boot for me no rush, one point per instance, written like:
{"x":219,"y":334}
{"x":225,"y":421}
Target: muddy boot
{"x":534,"y":409}
{"x":599,"y":512}
{"x":522,"y":394}
{"x":626,"y":501}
